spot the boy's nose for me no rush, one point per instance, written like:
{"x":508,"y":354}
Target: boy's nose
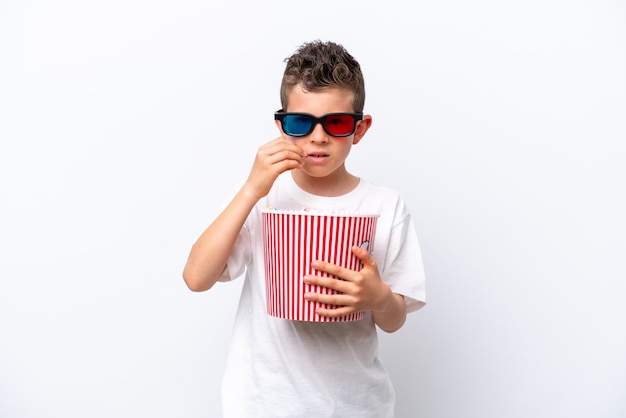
{"x":318,"y":135}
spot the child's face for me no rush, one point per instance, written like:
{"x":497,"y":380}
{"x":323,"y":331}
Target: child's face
{"x":325,"y":154}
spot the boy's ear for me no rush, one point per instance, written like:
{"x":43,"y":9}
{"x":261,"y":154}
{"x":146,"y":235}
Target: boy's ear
{"x":362,"y":128}
{"x":280,"y":128}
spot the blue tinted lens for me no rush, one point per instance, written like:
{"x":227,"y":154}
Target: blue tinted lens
{"x":297,"y":124}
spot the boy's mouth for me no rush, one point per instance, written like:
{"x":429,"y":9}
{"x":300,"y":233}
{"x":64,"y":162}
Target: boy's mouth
{"x":317,"y":157}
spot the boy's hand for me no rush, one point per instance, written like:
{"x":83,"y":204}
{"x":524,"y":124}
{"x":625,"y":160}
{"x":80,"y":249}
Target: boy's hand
{"x":362,"y":290}
{"x":272,"y":159}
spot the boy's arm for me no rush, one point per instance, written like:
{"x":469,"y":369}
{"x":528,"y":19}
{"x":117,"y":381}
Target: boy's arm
{"x":392,"y":317}
{"x":208,"y":256}
{"x":207,"y":259}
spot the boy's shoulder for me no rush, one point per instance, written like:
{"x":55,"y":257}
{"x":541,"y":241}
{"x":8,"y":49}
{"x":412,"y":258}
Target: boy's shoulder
{"x":379,"y":190}
{"x":384,"y":197}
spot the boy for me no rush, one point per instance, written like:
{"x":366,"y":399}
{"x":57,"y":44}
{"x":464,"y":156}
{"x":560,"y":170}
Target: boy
{"x":283,"y":368}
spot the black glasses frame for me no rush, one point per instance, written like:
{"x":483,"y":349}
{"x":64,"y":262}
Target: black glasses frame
{"x":280,"y":116}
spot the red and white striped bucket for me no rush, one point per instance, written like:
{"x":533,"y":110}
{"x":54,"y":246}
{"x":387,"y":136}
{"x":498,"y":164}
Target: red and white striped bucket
{"x":292,"y":239}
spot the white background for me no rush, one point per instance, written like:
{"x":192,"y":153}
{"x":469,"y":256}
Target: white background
{"x":124,"y":124}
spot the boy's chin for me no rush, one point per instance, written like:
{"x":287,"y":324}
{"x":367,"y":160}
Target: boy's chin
{"x":313,"y":173}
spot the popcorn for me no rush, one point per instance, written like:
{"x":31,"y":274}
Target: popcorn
{"x":295,"y":238}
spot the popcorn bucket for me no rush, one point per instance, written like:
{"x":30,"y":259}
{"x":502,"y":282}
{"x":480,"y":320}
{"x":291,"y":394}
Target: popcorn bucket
{"x":292,"y":239}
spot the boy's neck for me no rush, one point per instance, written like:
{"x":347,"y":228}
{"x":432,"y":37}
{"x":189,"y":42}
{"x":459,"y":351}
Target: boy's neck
{"x":337,"y":184}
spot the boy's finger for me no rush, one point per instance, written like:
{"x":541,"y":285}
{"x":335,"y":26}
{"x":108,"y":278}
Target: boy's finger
{"x":329,"y":268}
{"x":327,"y":282}
{"x":363,"y":255}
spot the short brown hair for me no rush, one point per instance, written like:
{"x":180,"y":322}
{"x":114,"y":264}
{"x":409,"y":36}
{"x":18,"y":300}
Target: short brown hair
{"x":319,"y":65}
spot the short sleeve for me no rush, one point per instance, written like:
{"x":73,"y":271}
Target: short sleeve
{"x":404,"y":269}
{"x":241,"y":254}
{"x":239,"y":257}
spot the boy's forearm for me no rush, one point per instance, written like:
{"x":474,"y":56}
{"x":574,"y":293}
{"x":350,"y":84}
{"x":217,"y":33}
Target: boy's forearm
{"x":393,"y":316}
{"x":209,"y":254}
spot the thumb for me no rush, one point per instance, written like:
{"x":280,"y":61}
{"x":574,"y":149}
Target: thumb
{"x":363,"y":255}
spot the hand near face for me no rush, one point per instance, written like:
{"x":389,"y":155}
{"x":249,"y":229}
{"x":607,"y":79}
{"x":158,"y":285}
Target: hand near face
{"x":272,"y":159}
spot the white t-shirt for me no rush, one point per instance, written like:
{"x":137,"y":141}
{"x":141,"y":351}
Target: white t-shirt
{"x":282,"y":368}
